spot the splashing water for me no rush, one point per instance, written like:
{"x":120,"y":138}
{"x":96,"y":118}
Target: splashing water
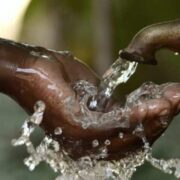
{"x":117,"y":116}
{"x":84,"y":91}
{"x":87,"y":167}
{"x":91,"y":167}
{"x":119,"y":72}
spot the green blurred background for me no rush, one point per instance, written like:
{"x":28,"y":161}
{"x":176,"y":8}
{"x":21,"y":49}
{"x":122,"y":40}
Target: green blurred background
{"x":94,"y":30}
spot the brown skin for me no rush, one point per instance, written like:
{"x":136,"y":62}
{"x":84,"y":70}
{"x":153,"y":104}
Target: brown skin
{"x":27,"y":76}
{"x":147,"y":41}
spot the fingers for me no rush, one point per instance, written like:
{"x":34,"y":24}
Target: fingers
{"x":171,"y":92}
{"x":149,"y":109}
{"x":156,"y":114}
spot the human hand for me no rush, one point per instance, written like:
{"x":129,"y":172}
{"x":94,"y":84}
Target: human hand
{"x":29,"y":74}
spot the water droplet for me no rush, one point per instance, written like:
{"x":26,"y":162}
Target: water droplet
{"x":58,"y":131}
{"x":95,"y":143}
{"x":121,"y":135}
{"x":107,"y":142}
{"x":103,"y":152}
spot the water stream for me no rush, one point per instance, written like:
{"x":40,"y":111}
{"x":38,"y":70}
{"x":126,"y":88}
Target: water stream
{"x":119,"y":72}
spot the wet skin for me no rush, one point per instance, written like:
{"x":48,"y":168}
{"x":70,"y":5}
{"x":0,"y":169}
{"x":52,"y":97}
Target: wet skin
{"x":29,"y":74}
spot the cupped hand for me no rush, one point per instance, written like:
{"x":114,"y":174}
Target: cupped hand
{"x":29,"y":74}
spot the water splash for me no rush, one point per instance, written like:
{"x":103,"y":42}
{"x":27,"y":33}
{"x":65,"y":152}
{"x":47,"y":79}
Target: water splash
{"x":118,"y":115}
{"x":29,"y":125}
{"x":88,"y":118}
{"x":87,"y":167}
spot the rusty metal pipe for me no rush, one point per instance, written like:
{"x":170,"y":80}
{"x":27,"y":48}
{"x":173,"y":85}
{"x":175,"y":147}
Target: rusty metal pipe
{"x":147,"y":41}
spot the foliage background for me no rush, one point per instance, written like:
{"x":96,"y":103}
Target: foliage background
{"x":94,"y":30}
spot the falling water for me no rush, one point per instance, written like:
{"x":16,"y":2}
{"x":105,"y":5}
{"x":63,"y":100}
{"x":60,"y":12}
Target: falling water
{"x":119,"y":72}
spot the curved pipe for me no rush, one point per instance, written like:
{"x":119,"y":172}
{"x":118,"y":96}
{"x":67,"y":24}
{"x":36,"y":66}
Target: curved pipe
{"x":147,"y":41}
{"x":29,"y":74}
